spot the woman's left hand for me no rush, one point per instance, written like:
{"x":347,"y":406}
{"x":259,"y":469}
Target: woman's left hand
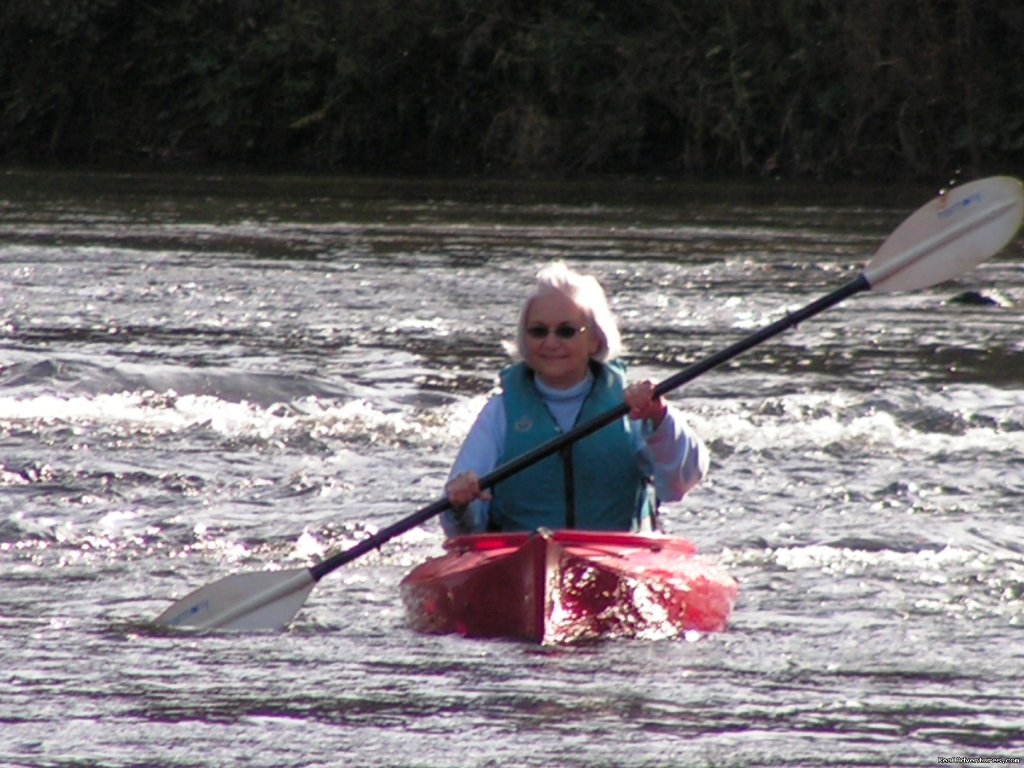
{"x":643,"y":404}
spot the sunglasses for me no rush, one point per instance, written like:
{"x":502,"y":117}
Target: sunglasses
{"x":563,"y":331}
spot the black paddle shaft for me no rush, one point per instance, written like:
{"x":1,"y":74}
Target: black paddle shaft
{"x":791,"y":320}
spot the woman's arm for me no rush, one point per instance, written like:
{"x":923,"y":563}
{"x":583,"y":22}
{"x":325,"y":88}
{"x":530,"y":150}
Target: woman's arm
{"x":480,"y":454}
{"x":678,"y":458}
{"x":674,"y":454}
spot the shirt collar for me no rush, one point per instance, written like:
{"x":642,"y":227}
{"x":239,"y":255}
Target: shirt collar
{"x":574,"y":392}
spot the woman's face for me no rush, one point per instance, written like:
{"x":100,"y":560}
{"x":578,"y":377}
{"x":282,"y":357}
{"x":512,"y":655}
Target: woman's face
{"x":559,"y":362}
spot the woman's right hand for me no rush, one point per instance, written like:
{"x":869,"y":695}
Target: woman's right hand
{"x":465,"y":488}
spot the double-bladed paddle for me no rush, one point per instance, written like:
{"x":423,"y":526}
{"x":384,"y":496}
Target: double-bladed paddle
{"x":944,"y":238}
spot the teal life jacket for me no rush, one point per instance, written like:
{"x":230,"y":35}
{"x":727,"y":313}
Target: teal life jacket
{"x":593,"y":484}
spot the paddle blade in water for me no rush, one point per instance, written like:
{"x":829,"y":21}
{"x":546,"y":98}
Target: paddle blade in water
{"x":949,"y":235}
{"x":263,"y":600}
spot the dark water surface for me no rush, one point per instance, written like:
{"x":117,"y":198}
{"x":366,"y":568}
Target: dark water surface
{"x":202,"y":374}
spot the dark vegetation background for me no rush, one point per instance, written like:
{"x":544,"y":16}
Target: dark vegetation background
{"x":796,"y":88}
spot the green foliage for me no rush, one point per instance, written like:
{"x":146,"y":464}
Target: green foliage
{"x":795,"y":87}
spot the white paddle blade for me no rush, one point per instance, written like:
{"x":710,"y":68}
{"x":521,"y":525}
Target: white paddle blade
{"x":263,"y":600}
{"x":949,"y":235}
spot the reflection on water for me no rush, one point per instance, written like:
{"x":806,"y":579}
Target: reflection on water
{"x":203,"y":374}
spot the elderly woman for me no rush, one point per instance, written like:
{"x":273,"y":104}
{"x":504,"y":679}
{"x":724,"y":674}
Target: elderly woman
{"x":568,"y":343}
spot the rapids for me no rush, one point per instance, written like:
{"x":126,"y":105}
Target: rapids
{"x":202,"y":373}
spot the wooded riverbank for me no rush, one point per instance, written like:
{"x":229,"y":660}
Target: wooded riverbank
{"x":796,"y":88}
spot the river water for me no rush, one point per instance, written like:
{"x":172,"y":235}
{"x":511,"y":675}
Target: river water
{"x":203,"y":374}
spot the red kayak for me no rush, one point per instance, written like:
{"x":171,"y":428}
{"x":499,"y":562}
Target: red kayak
{"x":563,"y":586}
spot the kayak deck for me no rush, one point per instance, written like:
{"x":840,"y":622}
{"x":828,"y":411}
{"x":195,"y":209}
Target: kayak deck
{"x":554,"y":587}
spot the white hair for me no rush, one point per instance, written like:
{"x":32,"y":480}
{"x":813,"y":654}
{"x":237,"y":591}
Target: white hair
{"x":586,"y":293}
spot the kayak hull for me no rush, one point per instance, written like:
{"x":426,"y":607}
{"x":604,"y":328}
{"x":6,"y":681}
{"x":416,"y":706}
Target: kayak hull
{"x":554,"y":587}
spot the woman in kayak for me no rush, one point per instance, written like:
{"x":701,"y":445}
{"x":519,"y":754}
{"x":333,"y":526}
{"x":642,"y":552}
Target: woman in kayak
{"x":611,"y":480}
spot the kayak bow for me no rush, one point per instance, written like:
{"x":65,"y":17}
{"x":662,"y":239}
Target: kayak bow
{"x":564,"y":586}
